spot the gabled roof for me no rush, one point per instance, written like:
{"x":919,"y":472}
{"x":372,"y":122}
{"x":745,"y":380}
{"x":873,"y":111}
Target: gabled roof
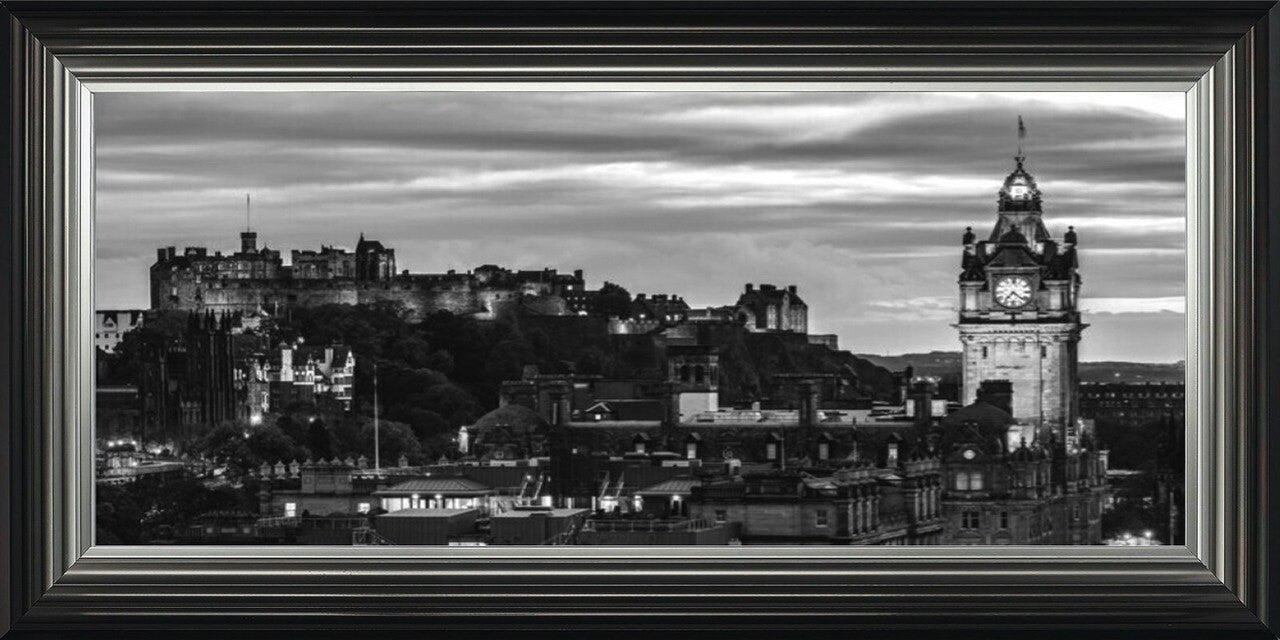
{"x":1013,"y":255}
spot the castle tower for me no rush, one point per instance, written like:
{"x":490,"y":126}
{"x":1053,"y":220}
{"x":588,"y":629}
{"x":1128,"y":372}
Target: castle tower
{"x":695,"y":372}
{"x":1018,"y":315}
{"x":248,"y":237}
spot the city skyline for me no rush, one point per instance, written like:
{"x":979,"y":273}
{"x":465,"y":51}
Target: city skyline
{"x":859,"y":199}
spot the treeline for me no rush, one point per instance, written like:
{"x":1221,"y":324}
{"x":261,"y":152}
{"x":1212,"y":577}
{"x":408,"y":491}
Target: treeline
{"x":444,"y":371}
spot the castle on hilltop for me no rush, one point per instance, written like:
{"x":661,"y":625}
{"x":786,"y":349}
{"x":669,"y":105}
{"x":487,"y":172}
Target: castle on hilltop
{"x":256,"y":279}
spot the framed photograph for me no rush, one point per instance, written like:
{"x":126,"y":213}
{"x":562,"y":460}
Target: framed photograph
{"x":925,"y":318}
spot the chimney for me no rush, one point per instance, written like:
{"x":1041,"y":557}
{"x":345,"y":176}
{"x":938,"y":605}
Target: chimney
{"x":791,"y":288}
{"x":810,"y":401}
{"x":998,"y":393}
{"x":749,"y":287}
{"x":922,"y":395}
{"x":161,"y":255}
{"x":671,"y":414}
{"x":577,"y":274}
{"x":561,"y":446}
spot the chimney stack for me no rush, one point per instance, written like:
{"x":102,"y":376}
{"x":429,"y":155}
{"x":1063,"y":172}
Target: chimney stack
{"x":922,"y":393}
{"x":998,"y":393}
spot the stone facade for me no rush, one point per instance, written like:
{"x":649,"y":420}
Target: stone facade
{"x":110,"y":325}
{"x":253,"y":279}
{"x":1018,"y":316}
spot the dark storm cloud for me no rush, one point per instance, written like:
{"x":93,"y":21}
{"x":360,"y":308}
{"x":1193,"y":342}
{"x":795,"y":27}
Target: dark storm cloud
{"x":859,"y":198}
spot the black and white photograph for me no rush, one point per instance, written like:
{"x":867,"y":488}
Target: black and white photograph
{"x":618,"y":318}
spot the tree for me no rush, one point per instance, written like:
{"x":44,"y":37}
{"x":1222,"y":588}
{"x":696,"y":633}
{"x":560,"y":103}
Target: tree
{"x":394,"y":439}
{"x":614,"y":301}
{"x":270,"y":444}
{"x":318,"y":441}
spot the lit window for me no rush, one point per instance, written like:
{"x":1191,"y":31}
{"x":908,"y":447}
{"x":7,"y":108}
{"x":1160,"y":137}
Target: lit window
{"x":363,"y":507}
{"x":691,"y":450}
{"x":969,"y":481}
{"x":771,"y":451}
{"x":824,"y":451}
{"x":290,"y":509}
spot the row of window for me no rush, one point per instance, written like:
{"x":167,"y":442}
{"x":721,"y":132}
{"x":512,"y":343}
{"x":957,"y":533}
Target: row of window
{"x":973,"y":520}
{"x":1044,"y":351}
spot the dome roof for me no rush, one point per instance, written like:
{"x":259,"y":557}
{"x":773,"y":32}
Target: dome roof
{"x":980,"y":423}
{"x":513,"y":418}
{"x":1019,"y":190}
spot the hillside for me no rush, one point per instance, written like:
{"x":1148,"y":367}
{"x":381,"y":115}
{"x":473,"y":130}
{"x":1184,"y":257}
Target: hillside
{"x":946,"y":365}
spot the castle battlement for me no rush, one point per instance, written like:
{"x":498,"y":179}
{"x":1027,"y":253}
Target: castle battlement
{"x":255,"y":279}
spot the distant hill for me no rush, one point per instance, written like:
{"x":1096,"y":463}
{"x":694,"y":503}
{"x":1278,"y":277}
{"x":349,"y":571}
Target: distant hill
{"x":946,"y":365}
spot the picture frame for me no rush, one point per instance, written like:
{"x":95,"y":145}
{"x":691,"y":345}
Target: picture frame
{"x":1222,"y":54}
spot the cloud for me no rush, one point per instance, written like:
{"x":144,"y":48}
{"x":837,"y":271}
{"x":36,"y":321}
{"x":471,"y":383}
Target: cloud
{"x":1169,"y":304}
{"x":858,"y":198}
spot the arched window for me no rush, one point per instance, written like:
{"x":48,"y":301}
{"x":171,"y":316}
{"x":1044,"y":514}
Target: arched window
{"x":699,"y":374}
{"x":684,"y":373}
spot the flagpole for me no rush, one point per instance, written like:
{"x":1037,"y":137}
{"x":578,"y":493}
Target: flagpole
{"x":1022,"y":134}
{"x":377,"y":459}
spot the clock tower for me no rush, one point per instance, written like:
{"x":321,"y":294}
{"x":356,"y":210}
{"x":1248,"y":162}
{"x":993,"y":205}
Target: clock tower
{"x":1018,"y":316}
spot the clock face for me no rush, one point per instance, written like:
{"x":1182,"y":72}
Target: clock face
{"x":1013,"y":291}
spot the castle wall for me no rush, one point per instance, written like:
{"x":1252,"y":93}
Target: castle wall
{"x":185,"y":291}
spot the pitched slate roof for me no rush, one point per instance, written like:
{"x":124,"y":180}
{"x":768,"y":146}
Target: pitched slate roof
{"x":674,"y":486}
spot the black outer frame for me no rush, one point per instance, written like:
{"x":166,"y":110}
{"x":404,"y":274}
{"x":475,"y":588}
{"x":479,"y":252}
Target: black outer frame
{"x":54,"y":585}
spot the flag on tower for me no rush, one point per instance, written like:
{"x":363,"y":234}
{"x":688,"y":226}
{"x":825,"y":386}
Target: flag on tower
{"x":1022,"y":134}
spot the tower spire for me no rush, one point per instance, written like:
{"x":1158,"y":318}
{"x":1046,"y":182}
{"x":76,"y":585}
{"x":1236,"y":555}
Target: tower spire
{"x":248,"y":214}
{"x":1022,"y":135}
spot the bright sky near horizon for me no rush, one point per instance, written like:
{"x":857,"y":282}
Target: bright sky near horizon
{"x":860,"y":199}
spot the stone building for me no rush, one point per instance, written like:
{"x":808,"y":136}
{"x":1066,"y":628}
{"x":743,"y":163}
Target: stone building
{"x":253,"y":280}
{"x":1022,"y":467}
{"x":769,"y":308}
{"x":110,"y":325}
{"x":297,"y":373}
{"x":189,"y":383}
{"x":1018,"y":315}
{"x":798,"y":476}
{"x":1133,"y":402}
{"x":1004,"y":487}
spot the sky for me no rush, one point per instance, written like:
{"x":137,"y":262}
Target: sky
{"x":858,"y":198}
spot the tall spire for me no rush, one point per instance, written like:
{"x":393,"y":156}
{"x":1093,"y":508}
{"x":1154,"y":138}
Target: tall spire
{"x":248,"y":214}
{"x":1022,"y":135}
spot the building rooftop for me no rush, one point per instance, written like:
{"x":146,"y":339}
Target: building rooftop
{"x":425,"y":513}
{"x":544,"y":513}
{"x":452,"y":486}
{"x":674,"y":486}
